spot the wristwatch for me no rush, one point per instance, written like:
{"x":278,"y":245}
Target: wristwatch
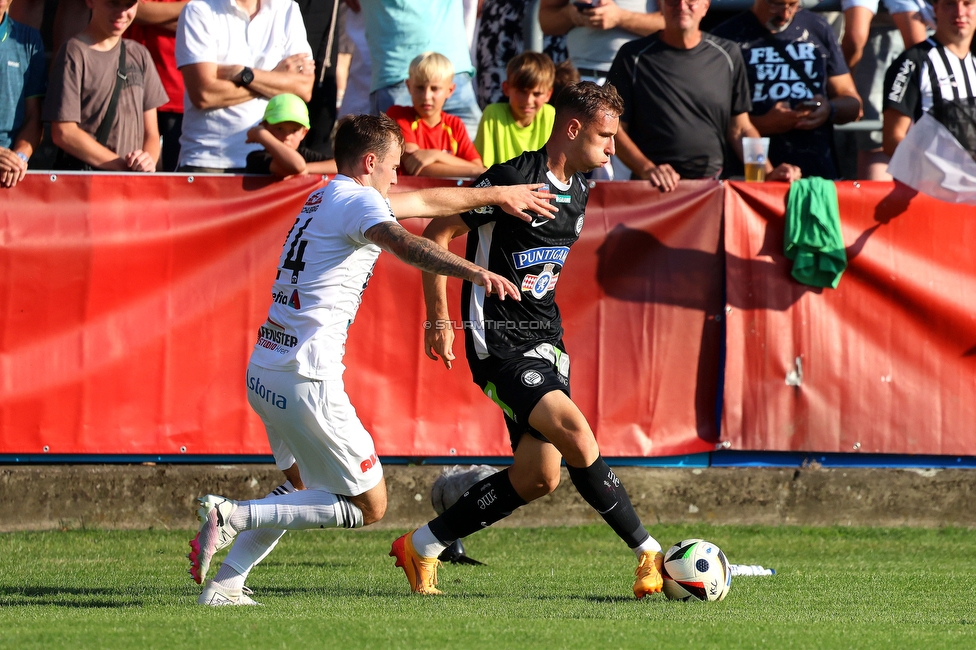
{"x":245,"y":78}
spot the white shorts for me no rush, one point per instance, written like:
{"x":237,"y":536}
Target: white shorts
{"x":313,"y":423}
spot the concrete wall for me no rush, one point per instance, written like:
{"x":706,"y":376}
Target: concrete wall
{"x":45,"y":497}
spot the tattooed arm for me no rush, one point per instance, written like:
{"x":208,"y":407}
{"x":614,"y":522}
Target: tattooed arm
{"x":516,"y":200}
{"x":428,"y":256}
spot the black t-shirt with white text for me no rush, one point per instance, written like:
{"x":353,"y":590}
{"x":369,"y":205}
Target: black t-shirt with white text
{"x":811,"y":48}
{"x":678,"y":103}
{"x":530,"y":255}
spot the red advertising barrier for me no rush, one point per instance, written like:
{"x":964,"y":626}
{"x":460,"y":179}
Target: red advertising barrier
{"x":888,"y":359}
{"x":129,"y":307}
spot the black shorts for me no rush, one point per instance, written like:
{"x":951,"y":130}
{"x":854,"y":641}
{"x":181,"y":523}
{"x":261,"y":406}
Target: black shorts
{"x":516,"y":385}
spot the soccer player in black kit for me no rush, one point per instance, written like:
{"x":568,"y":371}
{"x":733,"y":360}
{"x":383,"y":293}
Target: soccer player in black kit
{"x":515,"y":349}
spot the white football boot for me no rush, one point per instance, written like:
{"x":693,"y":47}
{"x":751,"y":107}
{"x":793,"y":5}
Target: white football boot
{"x":216,"y":596}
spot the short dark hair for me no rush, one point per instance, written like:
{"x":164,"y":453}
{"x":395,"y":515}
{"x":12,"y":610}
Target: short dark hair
{"x":358,"y":135}
{"x":530,"y":70}
{"x":586,"y":100}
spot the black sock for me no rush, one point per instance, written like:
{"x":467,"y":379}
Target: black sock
{"x":483,"y":504}
{"x":601,"y":488}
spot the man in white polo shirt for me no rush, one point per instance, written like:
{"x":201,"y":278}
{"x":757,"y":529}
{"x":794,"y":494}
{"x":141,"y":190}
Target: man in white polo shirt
{"x":234,"y":55}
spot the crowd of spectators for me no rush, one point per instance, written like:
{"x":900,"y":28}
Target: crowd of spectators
{"x":167,"y":85}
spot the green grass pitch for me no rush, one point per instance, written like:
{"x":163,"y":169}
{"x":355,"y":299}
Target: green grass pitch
{"x":547,"y":588}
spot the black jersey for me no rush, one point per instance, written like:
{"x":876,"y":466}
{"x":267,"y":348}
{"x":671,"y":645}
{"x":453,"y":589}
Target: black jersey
{"x":530,"y":255}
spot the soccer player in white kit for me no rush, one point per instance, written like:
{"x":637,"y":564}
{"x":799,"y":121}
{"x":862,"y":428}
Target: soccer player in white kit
{"x":294,"y":379}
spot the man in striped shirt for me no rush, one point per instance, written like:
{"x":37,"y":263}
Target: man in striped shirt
{"x":937,"y":77}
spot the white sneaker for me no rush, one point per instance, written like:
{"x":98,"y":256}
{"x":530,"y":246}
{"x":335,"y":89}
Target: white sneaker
{"x":215,"y":533}
{"x":217,"y":596}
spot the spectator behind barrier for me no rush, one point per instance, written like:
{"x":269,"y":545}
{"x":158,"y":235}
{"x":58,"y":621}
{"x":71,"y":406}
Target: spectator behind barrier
{"x":233,"y":56}
{"x":595,"y":31}
{"x":321,"y":18}
{"x":566,"y":75}
{"x":355,"y":100}
{"x":685,"y":95}
{"x":22,"y":82}
{"x":398,"y":31}
{"x":155,"y":27}
{"x":281,"y":132}
{"x":923,"y":79}
{"x":103,"y":95}
{"x":595,"y":34}
{"x":800,"y":83}
{"x":435,"y":143}
{"x":912,"y":18}
{"x":504,"y":32}
{"x":881,"y":38}
{"x":524,"y":122}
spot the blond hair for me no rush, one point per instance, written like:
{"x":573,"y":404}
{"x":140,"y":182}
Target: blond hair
{"x":431,"y":66}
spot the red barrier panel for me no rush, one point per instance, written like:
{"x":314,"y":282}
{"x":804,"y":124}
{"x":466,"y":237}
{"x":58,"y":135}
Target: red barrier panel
{"x":888,"y":358}
{"x":129,"y":306}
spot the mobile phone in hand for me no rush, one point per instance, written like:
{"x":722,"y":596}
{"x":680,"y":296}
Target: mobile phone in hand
{"x":809,"y":105}
{"x":583,"y":6}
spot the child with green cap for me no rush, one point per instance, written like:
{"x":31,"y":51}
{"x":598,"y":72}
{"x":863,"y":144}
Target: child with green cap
{"x":281,"y":133}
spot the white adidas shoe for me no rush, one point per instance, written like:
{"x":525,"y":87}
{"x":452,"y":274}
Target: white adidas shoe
{"x":215,"y":533}
{"x":216,"y":596}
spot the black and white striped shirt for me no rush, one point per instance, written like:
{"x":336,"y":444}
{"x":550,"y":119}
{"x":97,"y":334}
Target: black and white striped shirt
{"x":927,"y":73}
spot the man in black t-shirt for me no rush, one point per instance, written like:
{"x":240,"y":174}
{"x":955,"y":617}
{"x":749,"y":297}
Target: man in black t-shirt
{"x":515,"y":348}
{"x":800,"y":83}
{"x":685,"y":95}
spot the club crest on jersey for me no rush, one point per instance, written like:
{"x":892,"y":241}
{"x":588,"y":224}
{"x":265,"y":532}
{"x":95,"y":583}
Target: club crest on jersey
{"x":531,"y":378}
{"x":579,"y":225}
{"x":544,"y":255}
{"x":540,"y":285}
{"x":312,"y":203}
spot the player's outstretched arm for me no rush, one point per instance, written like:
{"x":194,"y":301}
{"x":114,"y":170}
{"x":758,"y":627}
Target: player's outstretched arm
{"x":428,"y":256}
{"x":439,"y":328}
{"x":516,"y":200}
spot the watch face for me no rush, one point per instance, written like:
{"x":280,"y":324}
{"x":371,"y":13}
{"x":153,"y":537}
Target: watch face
{"x":247,"y":76}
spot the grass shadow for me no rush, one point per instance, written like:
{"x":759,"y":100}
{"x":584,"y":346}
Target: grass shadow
{"x":66,"y":597}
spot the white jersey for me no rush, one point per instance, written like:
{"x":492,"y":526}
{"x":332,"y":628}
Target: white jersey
{"x":322,"y":273}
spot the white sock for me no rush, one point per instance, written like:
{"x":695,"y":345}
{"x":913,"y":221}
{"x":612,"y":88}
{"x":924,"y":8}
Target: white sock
{"x":250,"y":547}
{"x":650,"y":544}
{"x":303,"y":510}
{"x":426,"y":544}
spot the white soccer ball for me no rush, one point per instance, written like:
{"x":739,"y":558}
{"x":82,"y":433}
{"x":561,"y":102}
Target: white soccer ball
{"x":696,"y":570}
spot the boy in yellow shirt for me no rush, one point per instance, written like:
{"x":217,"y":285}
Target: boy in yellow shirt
{"x":523,"y":123}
